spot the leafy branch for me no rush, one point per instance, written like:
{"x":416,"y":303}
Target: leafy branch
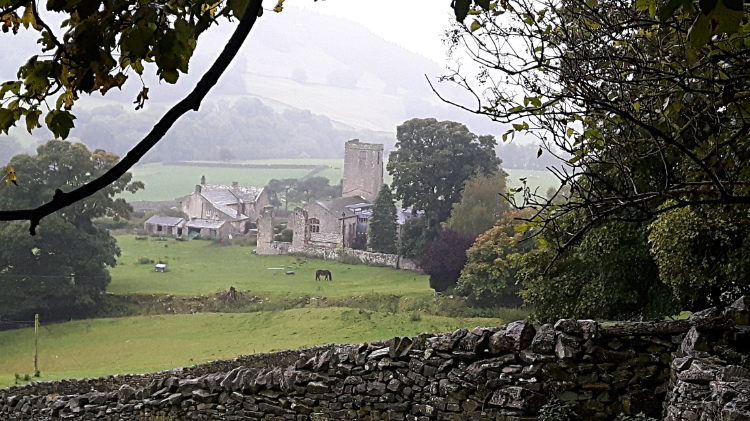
{"x":192,"y":102}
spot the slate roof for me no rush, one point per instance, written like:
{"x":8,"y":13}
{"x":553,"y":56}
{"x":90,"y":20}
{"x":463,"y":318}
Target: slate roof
{"x":205,"y":223}
{"x":165,"y":220}
{"x":227,"y":195}
{"x":404,"y":215}
{"x":342,"y":204}
{"x":221,"y":196}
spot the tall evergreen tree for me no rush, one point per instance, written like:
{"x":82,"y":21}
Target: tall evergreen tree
{"x":383,"y":224}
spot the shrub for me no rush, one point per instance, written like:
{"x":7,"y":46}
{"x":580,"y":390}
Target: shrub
{"x":415,"y":316}
{"x":286,"y":235}
{"x":245,"y":242}
{"x":144,"y":261}
{"x":349,"y":260}
{"x":445,"y":258}
{"x":141,"y":237}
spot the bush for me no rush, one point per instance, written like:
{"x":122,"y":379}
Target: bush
{"x":144,"y":261}
{"x":286,"y":235}
{"x":245,"y":242}
{"x":350,"y":260}
{"x":141,"y":237}
{"x":415,"y":316}
{"x":445,"y":258}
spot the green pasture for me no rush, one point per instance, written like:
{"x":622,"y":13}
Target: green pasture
{"x":98,"y":347}
{"x":538,"y":181}
{"x":167,"y":182}
{"x":202,"y":267}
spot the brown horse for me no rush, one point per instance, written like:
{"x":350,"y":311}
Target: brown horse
{"x":326,"y":274}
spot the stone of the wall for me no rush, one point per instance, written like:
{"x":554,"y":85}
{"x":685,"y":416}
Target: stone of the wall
{"x":686,"y":370}
{"x":329,"y":253}
{"x":265,"y":232}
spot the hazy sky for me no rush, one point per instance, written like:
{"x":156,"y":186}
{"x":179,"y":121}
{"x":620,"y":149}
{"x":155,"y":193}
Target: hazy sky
{"x":416,"y":25}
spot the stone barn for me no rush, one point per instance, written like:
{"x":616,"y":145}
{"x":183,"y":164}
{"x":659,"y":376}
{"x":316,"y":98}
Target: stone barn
{"x":165,"y":225}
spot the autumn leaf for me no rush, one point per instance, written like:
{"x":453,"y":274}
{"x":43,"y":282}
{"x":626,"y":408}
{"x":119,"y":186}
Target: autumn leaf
{"x":10,"y":175}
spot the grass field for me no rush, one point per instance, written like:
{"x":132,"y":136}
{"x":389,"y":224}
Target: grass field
{"x":198,"y":267}
{"x":167,"y":182}
{"x":536,"y":180}
{"x":93,"y":348}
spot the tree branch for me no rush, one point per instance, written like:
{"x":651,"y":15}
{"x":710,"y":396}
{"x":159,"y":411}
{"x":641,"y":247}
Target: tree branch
{"x":191,"y":102}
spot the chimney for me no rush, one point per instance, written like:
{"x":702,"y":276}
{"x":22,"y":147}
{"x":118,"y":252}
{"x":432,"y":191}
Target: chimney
{"x":197,"y":189}
{"x":235,"y":184}
{"x":203,"y":179}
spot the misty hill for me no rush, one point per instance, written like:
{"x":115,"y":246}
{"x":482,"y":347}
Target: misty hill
{"x":302,"y":85}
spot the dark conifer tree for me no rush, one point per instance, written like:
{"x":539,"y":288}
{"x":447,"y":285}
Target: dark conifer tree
{"x":383,"y":224}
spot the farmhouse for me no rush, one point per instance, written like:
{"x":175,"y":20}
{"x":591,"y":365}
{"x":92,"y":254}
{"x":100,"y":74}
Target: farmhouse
{"x":218,"y":211}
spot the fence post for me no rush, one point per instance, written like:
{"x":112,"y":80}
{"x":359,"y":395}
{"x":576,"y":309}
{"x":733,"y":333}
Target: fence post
{"x":36,"y":344}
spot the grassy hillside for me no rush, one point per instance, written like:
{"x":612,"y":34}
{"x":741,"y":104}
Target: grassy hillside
{"x":92,"y":348}
{"x":200,"y":267}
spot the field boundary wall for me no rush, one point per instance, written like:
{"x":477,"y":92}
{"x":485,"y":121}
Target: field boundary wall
{"x":694,"y":369}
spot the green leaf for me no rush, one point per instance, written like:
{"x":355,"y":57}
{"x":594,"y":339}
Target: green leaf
{"x":484,"y":4}
{"x":518,"y":127}
{"x":7,"y":120}
{"x":719,"y":20}
{"x":668,"y":9}
{"x":237,"y":7}
{"x":570,"y":132}
{"x":170,"y":76}
{"x":32,"y":119}
{"x":475,"y":25}
{"x":60,"y":122}
{"x":461,"y":9}
{"x":707,"y":6}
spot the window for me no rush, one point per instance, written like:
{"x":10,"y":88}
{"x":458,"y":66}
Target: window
{"x":158,"y":228}
{"x":314,"y":225}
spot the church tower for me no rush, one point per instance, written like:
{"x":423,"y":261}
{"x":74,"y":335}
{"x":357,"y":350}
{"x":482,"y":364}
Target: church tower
{"x":363,"y":169}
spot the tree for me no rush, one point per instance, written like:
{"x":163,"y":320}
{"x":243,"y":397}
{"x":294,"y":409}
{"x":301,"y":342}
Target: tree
{"x":702,"y":254}
{"x":610,"y":109}
{"x":482,"y":204}
{"x":489,"y":276}
{"x":609,"y":275}
{"x":83,"y":62}
{"x":276,"y":188}
{"x":649,"y":115}
{"x":313,"y":188}
{"x":432,"y":161}
{"x":61,"y":272}
{"x":445,"y":258}
{"x":415,"y":237}
{"x":383,"y":224}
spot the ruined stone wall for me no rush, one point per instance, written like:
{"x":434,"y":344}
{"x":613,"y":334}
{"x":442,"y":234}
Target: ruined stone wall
{"x":680,"y":370}
{"x":265,"y":243}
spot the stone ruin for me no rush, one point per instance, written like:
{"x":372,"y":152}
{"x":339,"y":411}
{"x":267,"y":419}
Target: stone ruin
{"x":695,"y":369}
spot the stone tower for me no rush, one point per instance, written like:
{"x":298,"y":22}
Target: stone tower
{"x":363,"y":169}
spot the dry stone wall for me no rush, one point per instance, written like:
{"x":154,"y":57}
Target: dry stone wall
{"x":678,"y":370}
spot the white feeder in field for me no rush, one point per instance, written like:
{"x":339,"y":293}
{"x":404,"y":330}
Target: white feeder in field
{"x":161,"y":267}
